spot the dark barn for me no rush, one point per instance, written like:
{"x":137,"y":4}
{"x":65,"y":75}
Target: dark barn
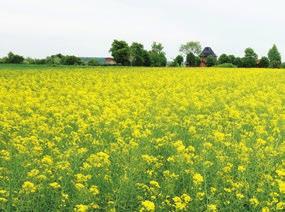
{"x":206,"y":53}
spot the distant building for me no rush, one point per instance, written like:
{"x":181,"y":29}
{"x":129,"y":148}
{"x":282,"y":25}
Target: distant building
{"x":103,"y":61}
{"x":206,"y":53}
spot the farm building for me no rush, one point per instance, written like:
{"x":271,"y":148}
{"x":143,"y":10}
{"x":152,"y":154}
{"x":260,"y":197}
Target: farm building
{"x":206,"y":53}
{"x":100,"y":60}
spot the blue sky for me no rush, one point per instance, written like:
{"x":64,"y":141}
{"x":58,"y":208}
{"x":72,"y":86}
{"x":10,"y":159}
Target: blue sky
{"x":38,"y":28}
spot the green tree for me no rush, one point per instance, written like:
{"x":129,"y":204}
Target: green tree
{"x":211,"y":61}
{"x":120,"y":51}
{"x":157,"y":55}
{"x":138,"y":55}
{"x":250,"y":58}
{"x":191,"y":60}
{"x":223,"y":59}
{"x":249,"y":52}
{"x":93,"y":62}
{"x":238,"y":62}
{"x":191,"y":47}
{"x":179,"y":60}
{"x":13,"y":58}
{"x":264,"y":62}
{"x":274,"y":57}
{"x":55,"y":59}
{"x":71,"y":60}
{"x":231,"y":59}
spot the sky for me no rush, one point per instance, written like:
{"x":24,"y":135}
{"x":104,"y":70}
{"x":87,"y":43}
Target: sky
{"x":86,"y":28}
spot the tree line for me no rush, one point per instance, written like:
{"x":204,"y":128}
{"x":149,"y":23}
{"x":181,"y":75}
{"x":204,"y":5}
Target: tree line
{"x":136,"y":55}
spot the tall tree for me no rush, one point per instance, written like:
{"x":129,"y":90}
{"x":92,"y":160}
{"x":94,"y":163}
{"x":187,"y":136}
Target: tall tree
{"x":191,"y":47}
{"x":179,"y":60}
{"x":274,"y":57}
{"x":250,"y":58}
{"x":249,"y":52}
{"x":138,"y":55}
{"x":120,"y":50}
{"x":157,"y":55}
{"x":211,"y":61}
{"x":191,"y":60}
{"x":13,"y":58}
{"x":264,"y":62}
{"x":223,"y":59}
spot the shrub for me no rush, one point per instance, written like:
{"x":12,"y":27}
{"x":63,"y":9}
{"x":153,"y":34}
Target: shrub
{"x":211,"y":61}
{"x":226,"y":65}
{"x":238,"y":62}
{"x":223,"y":59}
{"x":190,"y":59}
{"x":93,"y":62}
{"x":264,"y":62}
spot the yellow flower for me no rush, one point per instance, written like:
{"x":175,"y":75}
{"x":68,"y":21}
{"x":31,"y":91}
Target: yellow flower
{"x":212,"y":208}
{"x":147,"y":206}
{"x":47,"y":160}
{"x":81,"y":208}
{"x":54,"y":185}
{"x":80,"y":178}
{"x":94,"y":190}
{"x":219,"y":136}
{"x":198,"y":178}
{"x":200,"y":195}
{"x":100,"y":159}
{"x":179,"y":203}
{"x":33,"y":173}
{"x":265,"y":209}
{"x":239,"y":196}
{"x":186,"y":198}
{"x":5,"y":155}
{"x":280,"y":206}
{"x":281,"y":172}
{"x":29,"y":187}
{"x":241,"y":168}
{"x":281,"y":186}
{"x":254,"y":201}
{"x":3,"y":200}
{"x":79,"y":186}
{"x":154,"y":184}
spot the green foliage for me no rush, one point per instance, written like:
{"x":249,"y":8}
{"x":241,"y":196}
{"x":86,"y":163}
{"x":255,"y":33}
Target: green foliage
{"x":71,"y":60}
{"x":249,"y":52}
{"x":248,"y":62}
{"x":13,"y":58}
{"x":54,"y":59}
{"x":226,"y":65}
{"x":274,"y":57}
{"x":157,"y":55}
{"x":223,"y":59}
{"x":231,"y":58}
{"x":211,"y":61}
{"x":179,"y":60}
{"x":191,"y":47}
{"x":120,"y":51}
{"x":192,"y":60}
{"x":250,"y":58}
{"x":282,"y":65}
{"x":238,"y":62}
{"x":138,"y":55}
{"x":264,"y":62}
{"x":93,"y":62}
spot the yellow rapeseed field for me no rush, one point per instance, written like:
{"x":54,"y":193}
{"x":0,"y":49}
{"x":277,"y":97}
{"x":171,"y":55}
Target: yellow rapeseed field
{"x":142,"y":139}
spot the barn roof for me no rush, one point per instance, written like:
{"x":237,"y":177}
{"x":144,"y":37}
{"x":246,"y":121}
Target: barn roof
{"x":208,"y":52}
